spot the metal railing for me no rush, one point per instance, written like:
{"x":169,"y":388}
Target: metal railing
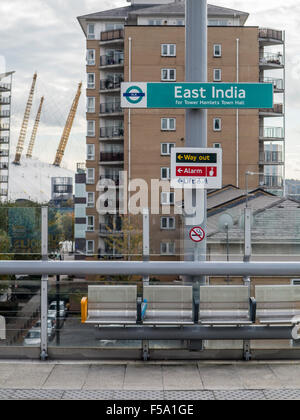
{"x":111,"y":157}
{"x":111,"y":108}
{"x":271,"y":157}
{"x":4,"y":140}
{"x":4,"y":126}
{"x":273,"y":181}
{"x":277,"y":83}
{"x":270,"y":34}
{"x":5,"y":86}
{"x":111,"y":132}
{"x":3,"y":165}
{"x":271,"y":59}
{"x":277,"y":109}
{"x":112,"y":35}
{"x":114,"y":60}
{"x":272,"y":132}
{"x":108,"y":84}
{"x":4,"y":114}
{"x":115,"y":178}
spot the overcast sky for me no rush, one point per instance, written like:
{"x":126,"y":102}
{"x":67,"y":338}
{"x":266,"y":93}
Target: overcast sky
{"x":44,"y":36}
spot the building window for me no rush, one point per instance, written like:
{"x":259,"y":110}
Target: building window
{"x":217,"y":146}
{"x":168,"y":124}
{"x":167,"y":223}
{"x":90,"y":247}
{"x":217,"y":50}
{"x":168,"y":75}
{"x":91,"y":128}
{"x":155,"y":22}
{"x":90,"y":179}
{"x":90,"y":152}
{"x":217,"y":124}
{"x":91,"y":31}
{"x":167,"y":248}
{"x":90,"y":199}
{"x":91,"y":81}
{"x":90,"y":224}
{"x":166,"y":148}
{"x":217,"y":75}
{"x":91,"y":104}
{"x":167,"y":198}
{"x":168,"y":50}
{"x":91,"y":57}
{"x":165,"y":174}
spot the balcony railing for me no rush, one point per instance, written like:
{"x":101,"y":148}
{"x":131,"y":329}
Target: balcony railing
{"x":3,"y":193}
{"x":3,"y":178}
{"x":273,"y":181}
{"x":81,"y":168}
{"x":4,"y":100}
{"x":116,"y":59}
{"x":3,"y":166}
{"x":271,"y":59}
{"x":5,"y":86}
{"x":269,"y":157}
{"x":4,"y":140}
{"x":277,"y":109}
{"x":277,"y":83}
{"x":111,"y":132}
{"x":110,"y":84}
{"x":4,"y":126}
{"x":4,"y":153}
{"x":111,"y":157}
{"x":272,"y":132}
{"x":111,"y":108}
{"x":112,"y":35}
{"x":4,"y":114}
{"x":111,"y":227}
{"x":270,"y":34}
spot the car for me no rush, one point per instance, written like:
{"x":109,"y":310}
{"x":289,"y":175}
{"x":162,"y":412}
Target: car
{"x":53,"y":312}
{"x":50,"y":327}
{"x":33,"y":338}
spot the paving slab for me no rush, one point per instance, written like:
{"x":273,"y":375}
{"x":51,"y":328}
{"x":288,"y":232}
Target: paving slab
{"x":258,"y":377}
{"x":182,"y":378}
{"x":105,"y":377}
{"x":289,"y":375}
{"x":24,"y":376}
{"x":220,"y":377}
{"x":67,"y":377}
{"x":143,"y":377}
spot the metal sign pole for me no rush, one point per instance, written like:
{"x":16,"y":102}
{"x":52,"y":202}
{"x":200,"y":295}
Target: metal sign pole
{"x":44,"y":287}
{"x":196,"y":119}
{"x":146,"y":242}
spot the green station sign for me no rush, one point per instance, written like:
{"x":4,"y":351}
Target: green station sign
{"x":197,"y":95}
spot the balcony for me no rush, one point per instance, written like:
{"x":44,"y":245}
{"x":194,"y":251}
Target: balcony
{"x":112,"y":61}
{"x":81,"y":168}
{"x":269,"y":157}
{"x":4,"y":100}
{"x":110,"y":133}
{"x":276,"y":111}
{"x":3,"y":193}
{"x":3,"y":166}
{"x":271,"y":133}
{"x":270,"y":37}
{"x":113,"y":37}
{"x":5,"y":114}
{"x":111,"y":227}
{"x":4,"y":127}
{"x":112,"y":157}
{"x":111,"y":109}
{"x":5,"y":87}
{"x":277,"y":83}
{"x":4,"y":153}
{"x":268,"y":61}
{"x":112,"y":177}
{"x":4,"y":140}
{"x":272,"y":181}
{"x":3,"y":179}
{"x":110,"y":85}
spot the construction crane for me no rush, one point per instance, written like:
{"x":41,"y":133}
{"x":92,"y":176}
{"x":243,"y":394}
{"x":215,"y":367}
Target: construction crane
{"x":24,"y":127}
{"x":35,"y":129}
{"x":67,"y":130}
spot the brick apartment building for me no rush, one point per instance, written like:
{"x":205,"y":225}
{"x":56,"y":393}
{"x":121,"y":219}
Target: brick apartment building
{"x":145,"y":42}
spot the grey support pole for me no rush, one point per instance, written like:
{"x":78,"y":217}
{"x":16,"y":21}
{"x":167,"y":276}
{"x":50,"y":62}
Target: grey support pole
{"x":44,"y":286}
{"x":196,"y":119}
{"x":146,"y":241}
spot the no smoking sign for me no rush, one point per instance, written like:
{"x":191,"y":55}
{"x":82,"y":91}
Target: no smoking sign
{"x":197,"y":234}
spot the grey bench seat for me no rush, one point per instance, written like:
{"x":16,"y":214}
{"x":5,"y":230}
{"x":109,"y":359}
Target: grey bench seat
{"x":225,"y":305}
{"x":169,"y":305}
{"x":278,"y":304}
{"x":112,"y":305}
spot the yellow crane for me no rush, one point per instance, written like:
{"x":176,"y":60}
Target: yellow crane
{"x":67,"y":130}
{"x":22,"y":137}
{"x":35,"y":129}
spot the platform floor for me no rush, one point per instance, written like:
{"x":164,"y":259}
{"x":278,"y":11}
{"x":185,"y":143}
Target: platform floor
{"x":149,"y":381}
